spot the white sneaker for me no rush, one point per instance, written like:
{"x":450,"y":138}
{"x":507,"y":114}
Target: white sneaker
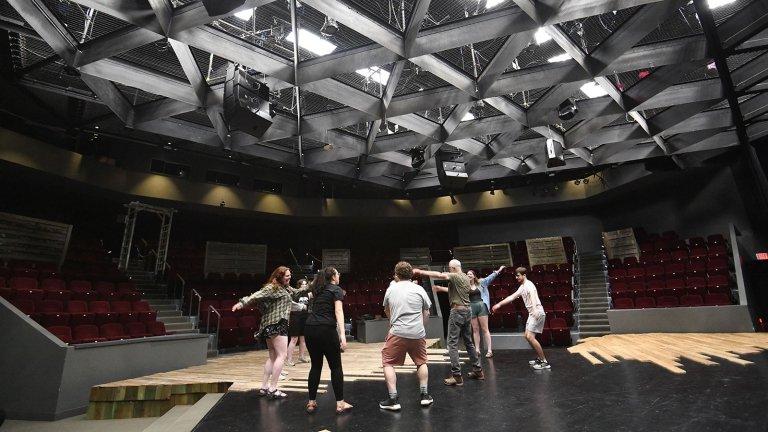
{"x":542,"y":365}
{"x":533,"y":362}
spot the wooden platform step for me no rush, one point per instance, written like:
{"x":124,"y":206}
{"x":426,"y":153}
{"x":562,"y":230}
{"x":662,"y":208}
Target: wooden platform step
{"x":152,"y":400}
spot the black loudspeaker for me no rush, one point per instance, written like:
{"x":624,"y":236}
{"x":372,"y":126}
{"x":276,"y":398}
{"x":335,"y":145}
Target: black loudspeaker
{"x":246,"y":102}
{"x":555,"y":156}
{"x":221,"y":7}
{"x":452,"y":175}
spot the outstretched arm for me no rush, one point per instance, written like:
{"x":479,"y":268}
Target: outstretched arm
{"x":430,"y":274}
{"x":507,"y":300}
{"x":266,"y":292}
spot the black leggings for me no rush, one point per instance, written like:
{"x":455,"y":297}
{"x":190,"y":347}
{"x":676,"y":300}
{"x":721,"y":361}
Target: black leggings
{"x":324,"y":341}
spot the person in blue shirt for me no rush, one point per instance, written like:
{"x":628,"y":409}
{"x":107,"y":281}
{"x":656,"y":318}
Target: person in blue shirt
{"x":480,"y":304}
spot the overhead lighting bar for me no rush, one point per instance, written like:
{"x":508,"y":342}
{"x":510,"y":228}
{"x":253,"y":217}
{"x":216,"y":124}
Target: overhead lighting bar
{"x":593,"y":90}
{"x":559,"y":58}
{"x":541,"y":36}
{"x":375,"y":73}
{"x":468,"y":116}
{"x":492,"y":3}
{"x":312,"y":42}
{"x":714,"y":4}
{"x":244,"y":15}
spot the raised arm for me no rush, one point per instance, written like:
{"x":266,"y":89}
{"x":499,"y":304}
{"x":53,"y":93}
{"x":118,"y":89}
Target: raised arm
{"x":486,"y":281}
{"x":266,"y":292}
{"x":508,"y":299}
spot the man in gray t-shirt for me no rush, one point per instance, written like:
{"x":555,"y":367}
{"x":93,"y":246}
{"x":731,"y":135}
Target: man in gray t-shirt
{"x":407,"y":306}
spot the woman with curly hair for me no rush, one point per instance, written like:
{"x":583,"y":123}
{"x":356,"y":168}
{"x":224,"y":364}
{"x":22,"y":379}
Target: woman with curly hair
{"x":276,"y":298}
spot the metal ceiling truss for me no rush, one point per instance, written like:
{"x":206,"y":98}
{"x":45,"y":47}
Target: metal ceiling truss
{"x":380,"y":158}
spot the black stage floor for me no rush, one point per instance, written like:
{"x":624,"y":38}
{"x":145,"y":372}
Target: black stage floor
{"x":573,"y":396}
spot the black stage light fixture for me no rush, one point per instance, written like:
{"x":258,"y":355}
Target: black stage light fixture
{"x":567,"y":110}
{"x":555,"y":155}
{"x":246,"y":102}
{"x":452,"y":174}
{"x":330,"y":27}
{"x":417,"y":157}
{"x":221,"y":7}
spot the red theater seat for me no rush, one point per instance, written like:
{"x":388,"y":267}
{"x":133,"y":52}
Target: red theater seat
{"x":666,"y":302}
{"x":623,"y":303}
{"x":717,"y":266}
{"x":102,"y":312}
{"x":113,"y":331}
{"x":676,"y":286}
{"x":698,"y":252}
{"x":691,"y":300}
{"x":86,"y":333}
{"x":143,"y":311}
{"x":53,"y":285}
{"x":716,"y":284}
{"x":29,"y":294}
{"x":137,"y":330}
{"x":696,"y":268}
{"x":78,"y":313}
{"x":645,"y":303}
{"x":564,"y":310}
{"x":717,"y":299}
{"x":228,"y":332}
{"x":630,"y":262}
{"x":615,"y":263}
{"x":654,"y":272}
{"x":696,"y":285}
{"x":157,"y":328}
{"x":715,"y":239}
{"x":123,"y":308}
{"x":561,"y":334}
{"x":717,"y":250}
{"x":636,"y":273}
{"x":696,"y":242}
{"x":25,"y":305}
{"x":23,"y":283}
{"x":657,"y":288}
{"x":62,"y":332}
{"x":674,"y":270}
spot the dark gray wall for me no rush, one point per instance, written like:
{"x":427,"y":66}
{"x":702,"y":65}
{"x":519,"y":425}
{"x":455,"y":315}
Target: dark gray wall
{"x":693,"y":202}
{"x":44,"y":379}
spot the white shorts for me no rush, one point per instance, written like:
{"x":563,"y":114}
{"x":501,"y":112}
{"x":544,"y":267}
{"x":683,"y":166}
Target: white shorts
{"x":535,"y":323}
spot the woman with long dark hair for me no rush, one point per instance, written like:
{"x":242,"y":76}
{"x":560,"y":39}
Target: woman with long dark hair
{"x":276,"y":298}
{"x":296,"y":329}
{"x":480,"y":304}
{"x":325,"y":336}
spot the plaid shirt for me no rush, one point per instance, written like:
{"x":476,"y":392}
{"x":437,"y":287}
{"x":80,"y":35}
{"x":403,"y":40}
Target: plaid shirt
{"x":276,"y":302}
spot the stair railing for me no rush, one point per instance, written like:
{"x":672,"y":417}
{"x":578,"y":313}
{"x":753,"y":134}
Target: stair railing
{"x":194,"y":294}
{"x":218,"y":323}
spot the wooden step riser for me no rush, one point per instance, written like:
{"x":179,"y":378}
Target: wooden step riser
{"x":146,"y":401}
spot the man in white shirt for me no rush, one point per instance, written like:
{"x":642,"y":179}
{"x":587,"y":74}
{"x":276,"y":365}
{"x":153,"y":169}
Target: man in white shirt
{"x":407,"y":306}
{"x":536,"y":315}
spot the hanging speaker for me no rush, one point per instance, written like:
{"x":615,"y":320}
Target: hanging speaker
{"x":221,"y":7}
{"x":246,"y":102}
{"x":555,"y":156}
{"x":452,"y":174}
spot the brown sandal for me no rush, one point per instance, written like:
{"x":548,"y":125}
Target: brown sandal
{"x":311,"y":407}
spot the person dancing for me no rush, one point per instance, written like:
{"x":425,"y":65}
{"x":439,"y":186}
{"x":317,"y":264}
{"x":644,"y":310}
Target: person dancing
{"x":407,"y":306}
{"x":276,"y":298}
{"x":459,"y":320}
{"x":480,"y":304}
{"x":325,"y":335}
{"x":296,"y":328}
{"x":536,"y":315}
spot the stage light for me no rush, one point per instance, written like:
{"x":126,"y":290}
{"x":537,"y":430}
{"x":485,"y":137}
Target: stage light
{"x":330,"y":27}
{"x":417,"y":157}
{"x":567,"y":110}
{"x":559,"y":58}
{"x":375,"y":73}
{"x":593,"y":90}
{"x":245,"y":15}
{"x":492,"y":3}
{"x":714,"y":4}
{"x":311,"y":42}
{"x":541,"y":36}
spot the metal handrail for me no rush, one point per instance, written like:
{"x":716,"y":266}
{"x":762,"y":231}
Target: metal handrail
{"x":199,"y":299}
{"x":183,"y":286}
{"x":218,"y":323}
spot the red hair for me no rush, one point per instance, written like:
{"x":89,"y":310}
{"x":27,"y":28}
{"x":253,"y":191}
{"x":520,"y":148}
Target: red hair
{"x":278,"y":273}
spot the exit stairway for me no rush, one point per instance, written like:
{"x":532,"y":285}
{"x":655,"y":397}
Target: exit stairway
{"x":593,"y":299}
{"x":168,"y":309}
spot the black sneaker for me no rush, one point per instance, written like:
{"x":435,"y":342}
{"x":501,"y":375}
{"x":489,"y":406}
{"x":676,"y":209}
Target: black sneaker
{"x":426,"y":400}
{"x":542,"y":365}
{"x":390,"y":404}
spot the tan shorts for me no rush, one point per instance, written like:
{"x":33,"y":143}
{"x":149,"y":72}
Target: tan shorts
{"x":395,"y":348}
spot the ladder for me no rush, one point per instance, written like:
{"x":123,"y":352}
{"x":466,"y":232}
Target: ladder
{"x":162,"y":242}
{"x":125,"y":248}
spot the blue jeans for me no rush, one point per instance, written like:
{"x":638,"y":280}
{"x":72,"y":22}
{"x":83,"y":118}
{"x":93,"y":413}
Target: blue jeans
{"x":460,"y":325}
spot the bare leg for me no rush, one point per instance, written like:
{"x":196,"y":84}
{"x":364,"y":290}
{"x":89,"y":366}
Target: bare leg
{"x":280,"y":347}
{"x":391,"y":377}
{"x":291,"y":346}
{"x":531,"y":338}
{"x":423,"y":373}
{"x":483,"y":321}
{"x":476,"y":335}
{"x":302,"y":348}
{"x":268,"y":365}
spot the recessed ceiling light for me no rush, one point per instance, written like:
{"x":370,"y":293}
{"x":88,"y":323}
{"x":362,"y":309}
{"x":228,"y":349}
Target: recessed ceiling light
{"x":312,"y":42}
{"x":559,"y":58}
{"x":375,"y":73}
{"x":245,"y":15}
{"x":593,"y":90}
{"x":542,"y":35}
{"x":492,"y":3}
{"x":714,"y":4}
{"x":468,"y":116}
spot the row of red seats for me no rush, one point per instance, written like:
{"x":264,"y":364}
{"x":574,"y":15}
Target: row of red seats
{"x":57,"y":284}
{"x":89,"y":333}
{"x":687,"y":300}
{"x":76,"y":312}
{"x":674,"y":286}
{"x":666,"y":244}
{"x":713,"y":268}
{"x":235,"y":331}
{"x":91,"y":274}
{"x":679,"y":256}
{"x":560,"y":309}
{"x":556,"y":330}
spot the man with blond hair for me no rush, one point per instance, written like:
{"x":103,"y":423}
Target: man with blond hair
{"x":407,"y":306}
{"x":459,"y":320}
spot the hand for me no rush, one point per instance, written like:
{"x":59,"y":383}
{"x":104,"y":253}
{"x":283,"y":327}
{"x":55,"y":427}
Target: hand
{"x":343,"y":344}
{"x":495,"y":308}
{"x":500,"y":269}
{"x":237,"y":306}
{"x":416,"y":272}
